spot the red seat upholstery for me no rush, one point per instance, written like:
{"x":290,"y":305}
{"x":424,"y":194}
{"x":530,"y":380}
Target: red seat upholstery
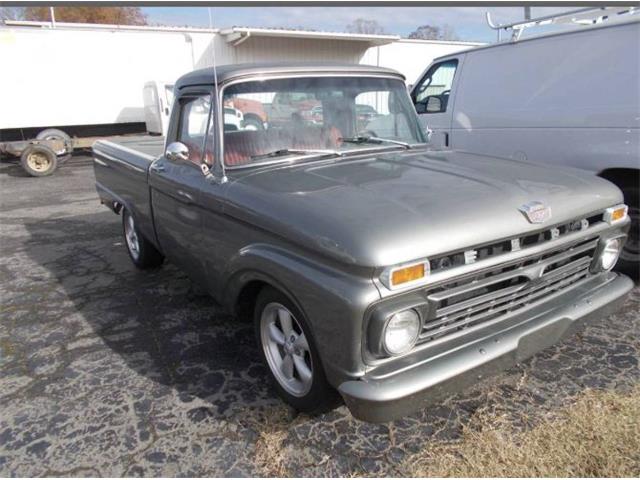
{"x":240,"y":146}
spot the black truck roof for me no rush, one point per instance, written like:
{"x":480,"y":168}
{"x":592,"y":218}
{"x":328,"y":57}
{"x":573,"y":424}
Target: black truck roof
{"x":205,"y":76}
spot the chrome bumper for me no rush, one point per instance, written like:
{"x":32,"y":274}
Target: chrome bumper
{"x":381,"y":398}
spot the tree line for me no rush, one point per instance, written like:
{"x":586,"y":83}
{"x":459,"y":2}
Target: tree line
{"x":423,"y":32}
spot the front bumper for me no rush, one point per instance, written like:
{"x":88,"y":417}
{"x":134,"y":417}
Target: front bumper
{"x":381,"y":398}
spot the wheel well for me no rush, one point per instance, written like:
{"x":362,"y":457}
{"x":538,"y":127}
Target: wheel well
{"x":246,"y":300}
{"x":622,"y":177}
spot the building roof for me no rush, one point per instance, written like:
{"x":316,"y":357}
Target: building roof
{"x":237,"y":35}
{"x":227,"y":72}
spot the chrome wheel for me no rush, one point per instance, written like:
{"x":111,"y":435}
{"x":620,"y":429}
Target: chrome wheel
{"x":131,"y":237}
{"x":286,"y":349}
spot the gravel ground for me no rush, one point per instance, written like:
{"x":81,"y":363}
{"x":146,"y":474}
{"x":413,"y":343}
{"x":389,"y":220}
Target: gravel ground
{"x":109,"y":371}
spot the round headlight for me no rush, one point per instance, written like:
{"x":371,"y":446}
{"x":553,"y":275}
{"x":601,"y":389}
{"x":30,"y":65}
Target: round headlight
{"x":401,"y":332}
{"x":610,"y":252}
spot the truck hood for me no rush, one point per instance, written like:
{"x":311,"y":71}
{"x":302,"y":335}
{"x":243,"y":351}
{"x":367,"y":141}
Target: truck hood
{"x":401,"y":206}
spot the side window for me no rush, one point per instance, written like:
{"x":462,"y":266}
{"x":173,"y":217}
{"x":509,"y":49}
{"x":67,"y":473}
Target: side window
{"x":194,"y":114}
{"x":432,"y":93}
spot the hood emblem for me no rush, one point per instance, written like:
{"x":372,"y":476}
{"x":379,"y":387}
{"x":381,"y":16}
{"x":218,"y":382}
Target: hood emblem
{"x":536,"y":212}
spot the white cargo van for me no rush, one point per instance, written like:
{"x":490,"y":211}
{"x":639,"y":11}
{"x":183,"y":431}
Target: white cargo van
{"x":569,"y":98}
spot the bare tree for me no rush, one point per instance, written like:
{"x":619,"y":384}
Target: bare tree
{"x":11,"y":13}
{"x":109,"y":15}
{"x":432,"y":32}
{"x":361,"y":25}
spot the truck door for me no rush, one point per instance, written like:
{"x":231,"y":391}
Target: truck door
{"x":175,"y":185}
{"x":431,"y":97}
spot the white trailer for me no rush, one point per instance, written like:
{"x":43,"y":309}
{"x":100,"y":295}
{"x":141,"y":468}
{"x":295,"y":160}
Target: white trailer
{"x":49,"y":105}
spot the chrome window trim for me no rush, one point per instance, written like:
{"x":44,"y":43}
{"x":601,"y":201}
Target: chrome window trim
{"x":279,"y":76}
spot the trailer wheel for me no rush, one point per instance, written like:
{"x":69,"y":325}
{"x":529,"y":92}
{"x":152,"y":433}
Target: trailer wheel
{"x":39,"y":160}
{"x":55,"y":134}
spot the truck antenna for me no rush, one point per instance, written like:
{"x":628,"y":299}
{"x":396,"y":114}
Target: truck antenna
{"x":214,"y":111}
{"x":213,"y":54}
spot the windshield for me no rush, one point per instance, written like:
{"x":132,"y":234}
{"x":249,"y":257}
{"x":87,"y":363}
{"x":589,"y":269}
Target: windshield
{"x":319,"y":116}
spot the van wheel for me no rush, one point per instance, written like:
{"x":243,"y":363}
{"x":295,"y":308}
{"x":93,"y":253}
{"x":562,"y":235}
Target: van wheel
{"x":629,"y":261}
{"x":142,"y":252}
{"x":288,"y":350}
{"x":39,"y":160}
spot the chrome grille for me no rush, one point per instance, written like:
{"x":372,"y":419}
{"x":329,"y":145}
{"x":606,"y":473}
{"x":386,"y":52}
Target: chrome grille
{"x":490,"y":295}
{"x":455,"y":259}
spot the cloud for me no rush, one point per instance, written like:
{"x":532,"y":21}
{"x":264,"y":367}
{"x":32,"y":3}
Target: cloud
{"x":469,"y":22}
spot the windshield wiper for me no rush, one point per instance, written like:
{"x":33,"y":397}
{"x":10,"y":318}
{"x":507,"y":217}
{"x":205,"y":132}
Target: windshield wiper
{"x":294,"y":151}
{"x":376,"y":140}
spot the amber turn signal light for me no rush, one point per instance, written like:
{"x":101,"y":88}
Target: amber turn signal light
{"x":615,"y":214}
{"x":408,"y":274}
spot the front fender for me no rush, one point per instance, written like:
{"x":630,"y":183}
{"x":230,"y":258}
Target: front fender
{"x":333,"y":300}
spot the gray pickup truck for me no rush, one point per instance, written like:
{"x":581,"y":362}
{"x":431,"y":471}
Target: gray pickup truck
{"x":371,"y":264}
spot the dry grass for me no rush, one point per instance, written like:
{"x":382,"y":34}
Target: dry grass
{"x":271,"y":454}
{"x":597,"y":436}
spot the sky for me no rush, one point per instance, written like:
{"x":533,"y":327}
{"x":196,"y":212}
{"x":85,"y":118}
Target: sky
{"x":469,"y":22}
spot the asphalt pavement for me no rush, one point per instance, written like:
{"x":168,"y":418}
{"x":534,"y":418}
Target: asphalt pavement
{"x":108,"y":371}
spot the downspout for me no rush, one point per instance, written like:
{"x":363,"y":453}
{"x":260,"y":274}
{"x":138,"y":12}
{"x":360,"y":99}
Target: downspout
{"x":243,"y":38}
{"x":189,"y":39}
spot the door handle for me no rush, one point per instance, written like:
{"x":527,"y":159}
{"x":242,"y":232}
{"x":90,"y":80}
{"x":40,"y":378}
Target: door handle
{"x":186,"y":197}
{"x":157,"y":167}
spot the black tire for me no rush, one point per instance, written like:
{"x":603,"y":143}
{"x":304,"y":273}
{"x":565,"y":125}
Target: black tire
{"x":54,"y":133}
{"x":39,"y":160}
{"x":145,"y":255}
{"x":321,"y":396}
{"x":629,"y":262}
{"x":254,"y":122}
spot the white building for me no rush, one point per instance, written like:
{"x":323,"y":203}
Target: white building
{"x":79,"y":74}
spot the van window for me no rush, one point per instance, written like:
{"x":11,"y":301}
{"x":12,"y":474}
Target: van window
{"x":433,"y":90}
{"x":194,"y":114}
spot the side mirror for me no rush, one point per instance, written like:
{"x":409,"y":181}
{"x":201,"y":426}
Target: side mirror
{"x":177,"y":151}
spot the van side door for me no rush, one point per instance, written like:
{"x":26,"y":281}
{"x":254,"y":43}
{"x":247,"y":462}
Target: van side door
{"x":433,"y":97}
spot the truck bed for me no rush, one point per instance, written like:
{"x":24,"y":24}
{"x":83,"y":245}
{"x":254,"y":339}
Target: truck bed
{"x":121,"y":166}
{"x":149,"y":145}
